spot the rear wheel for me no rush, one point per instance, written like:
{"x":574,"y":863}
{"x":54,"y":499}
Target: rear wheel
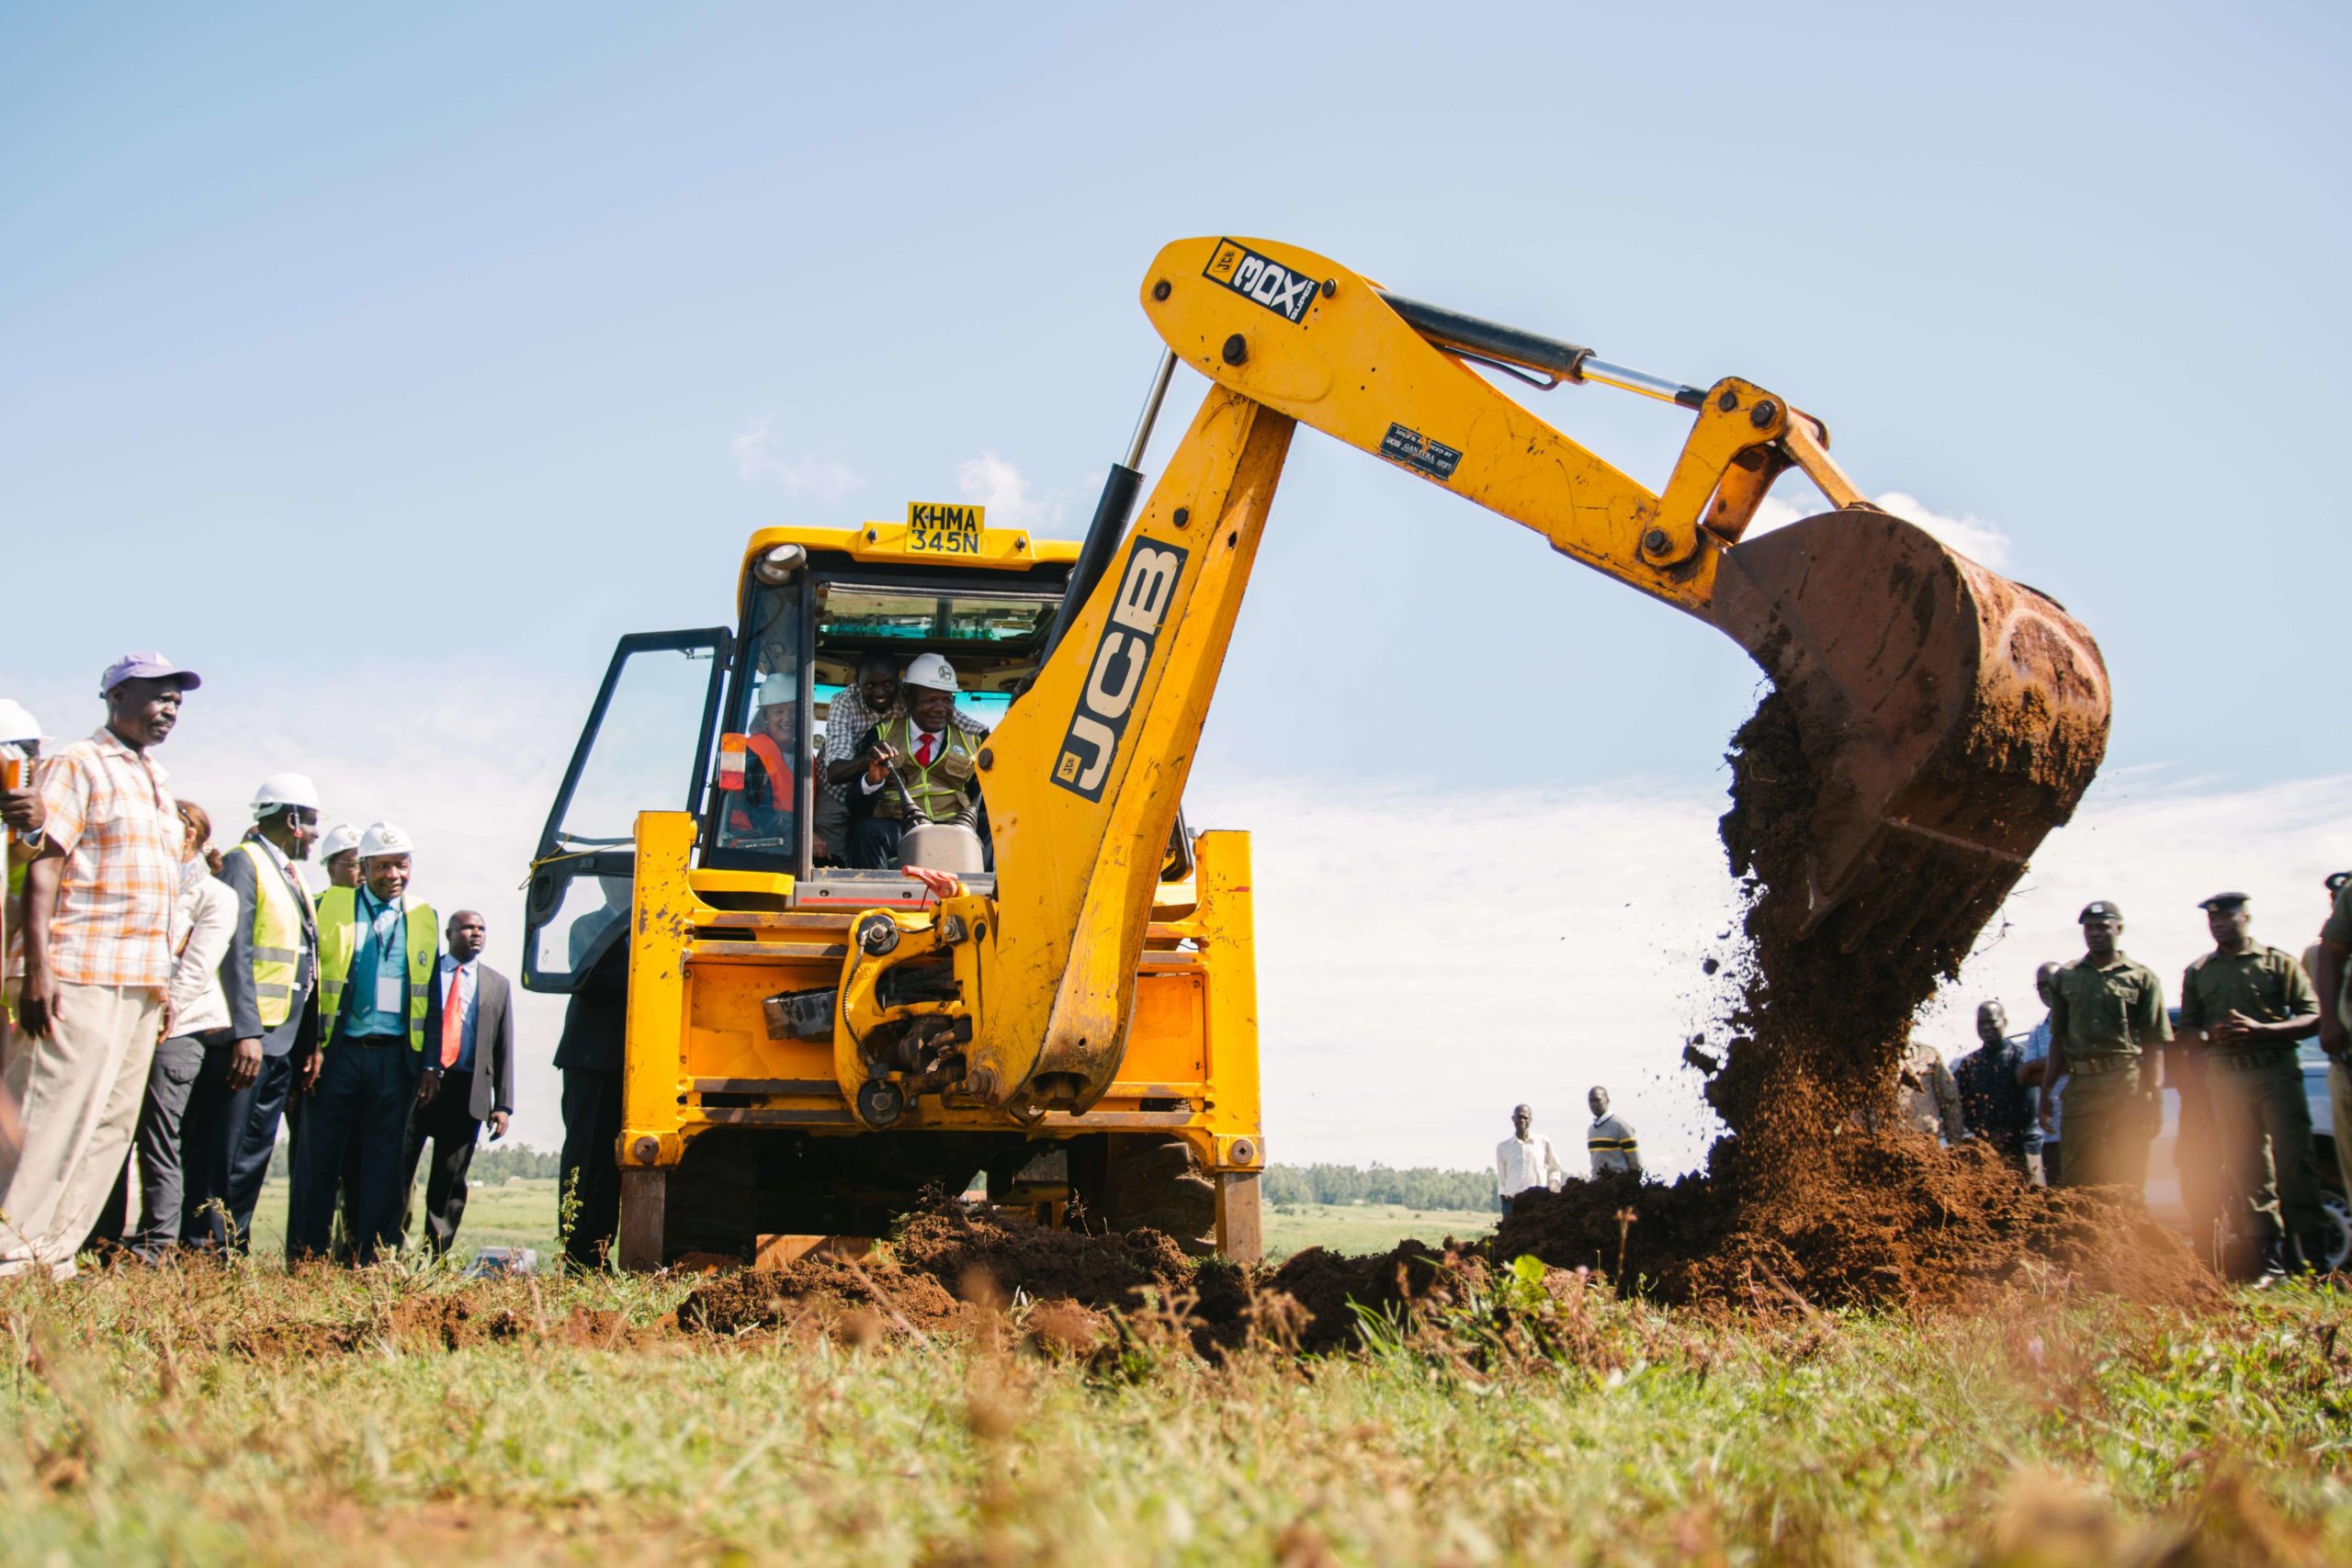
{"x":1152,"y":1181}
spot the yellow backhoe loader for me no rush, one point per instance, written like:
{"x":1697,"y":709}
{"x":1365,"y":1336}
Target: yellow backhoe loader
{"x":809,"y":1046}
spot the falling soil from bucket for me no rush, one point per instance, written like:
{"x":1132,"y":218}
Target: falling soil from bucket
{"x":1818,"y":1194}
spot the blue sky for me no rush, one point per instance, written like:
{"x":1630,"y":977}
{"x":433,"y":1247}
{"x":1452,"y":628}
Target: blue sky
{"x":409,"y":358}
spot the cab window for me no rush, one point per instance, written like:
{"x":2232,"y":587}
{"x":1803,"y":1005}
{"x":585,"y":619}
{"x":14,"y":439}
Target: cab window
{"x":761,"y":816}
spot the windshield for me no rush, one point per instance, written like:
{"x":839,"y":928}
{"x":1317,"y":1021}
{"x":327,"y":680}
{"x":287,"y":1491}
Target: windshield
{"x":855,"y":616}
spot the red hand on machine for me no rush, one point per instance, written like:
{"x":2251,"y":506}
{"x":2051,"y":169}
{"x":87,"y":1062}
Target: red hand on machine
{"x":942,"y":884}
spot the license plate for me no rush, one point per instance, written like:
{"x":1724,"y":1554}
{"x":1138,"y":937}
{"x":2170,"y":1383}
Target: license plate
{"x":944,"y":541}
{"x":944,"y":528}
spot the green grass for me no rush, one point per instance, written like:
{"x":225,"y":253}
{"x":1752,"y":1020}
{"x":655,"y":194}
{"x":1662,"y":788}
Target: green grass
{"x":1365,"y":1227}
{"x":238,"y":1415}
{"x":521,"y":1213}
{"x":517,"y":1213}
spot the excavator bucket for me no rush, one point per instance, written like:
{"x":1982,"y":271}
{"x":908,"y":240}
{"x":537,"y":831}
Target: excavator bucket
{"x":1931,"y":722}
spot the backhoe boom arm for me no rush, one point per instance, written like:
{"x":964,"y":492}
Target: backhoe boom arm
{"x":1909,"y":666}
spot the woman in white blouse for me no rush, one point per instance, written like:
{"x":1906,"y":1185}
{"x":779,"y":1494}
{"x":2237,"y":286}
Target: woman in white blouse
{"x":200,"y":927}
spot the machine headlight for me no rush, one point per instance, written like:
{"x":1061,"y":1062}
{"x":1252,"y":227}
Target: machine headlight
{"x":779,"y":563}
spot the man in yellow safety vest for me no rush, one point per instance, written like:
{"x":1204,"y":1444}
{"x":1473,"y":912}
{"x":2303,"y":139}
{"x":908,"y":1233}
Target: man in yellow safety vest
{"x":379,"y":950}
{"x":933,"y":760}
{"x":268,"y":977}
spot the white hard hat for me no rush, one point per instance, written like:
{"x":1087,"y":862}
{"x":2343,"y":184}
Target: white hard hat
{"x":340,"y":837}
{"x":929,"y":669}
{"x":285,"y":789}
{"x":384,"y":838}
{"x":16,"y":725}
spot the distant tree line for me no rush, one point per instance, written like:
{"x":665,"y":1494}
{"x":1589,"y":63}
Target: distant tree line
{"x":1421,"y":1187}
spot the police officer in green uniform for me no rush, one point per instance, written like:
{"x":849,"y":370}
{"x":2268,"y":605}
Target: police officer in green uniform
{"x":2246,"y":1004}
{"x":2107,"y":1016}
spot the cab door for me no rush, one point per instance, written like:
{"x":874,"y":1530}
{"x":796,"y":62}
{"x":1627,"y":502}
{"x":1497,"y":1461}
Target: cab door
{"x":646,"y":748}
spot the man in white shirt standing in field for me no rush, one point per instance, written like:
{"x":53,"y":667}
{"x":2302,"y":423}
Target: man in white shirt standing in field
{"x":1524,"y":1161}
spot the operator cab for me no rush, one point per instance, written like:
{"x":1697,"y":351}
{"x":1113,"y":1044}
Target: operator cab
{"x":730,"y":724}
{"x":800,"y":697}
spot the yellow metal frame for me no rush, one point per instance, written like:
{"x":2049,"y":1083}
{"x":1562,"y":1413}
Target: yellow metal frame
{"x":1089,"y":986}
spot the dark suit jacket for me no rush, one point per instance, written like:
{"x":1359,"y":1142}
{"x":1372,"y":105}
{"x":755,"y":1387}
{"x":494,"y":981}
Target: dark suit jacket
{"x":237,"y":965}
{"x":493,"y":1086}
{"x":595,"y":1024}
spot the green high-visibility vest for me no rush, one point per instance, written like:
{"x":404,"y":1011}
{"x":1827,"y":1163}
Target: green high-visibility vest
{"x":339,"y":944}
{"x":939,"y":788}
{"x":277,"y":936}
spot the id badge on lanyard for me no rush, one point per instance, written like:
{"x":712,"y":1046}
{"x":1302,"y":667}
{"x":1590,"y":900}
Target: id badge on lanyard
{"x":391,"y":965}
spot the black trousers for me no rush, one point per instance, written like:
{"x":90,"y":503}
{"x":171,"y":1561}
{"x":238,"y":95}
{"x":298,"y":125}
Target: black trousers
{"x":592,"y":1171}
{"x":226,"y":1139}
{"x":448,"y":1125}
{"x":363,"y":1098}
{"x":874,"y":842}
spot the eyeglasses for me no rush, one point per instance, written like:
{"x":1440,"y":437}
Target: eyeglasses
{"x":302,"y":817}
{"x":2335,"y":882}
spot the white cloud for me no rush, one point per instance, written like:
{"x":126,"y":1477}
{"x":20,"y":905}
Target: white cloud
{"x":1004,"y":491}
{"x":758,"y":455}
{"x":1982,"y":542}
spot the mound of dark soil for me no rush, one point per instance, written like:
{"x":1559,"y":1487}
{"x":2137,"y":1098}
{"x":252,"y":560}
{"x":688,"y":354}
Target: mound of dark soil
{"x":948,"y":1267}
{"x":1321,"y":1284}
{"x":1882,"y":1219}
{"x":974,"y":1252}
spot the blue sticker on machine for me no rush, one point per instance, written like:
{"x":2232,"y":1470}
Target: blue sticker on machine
{"x":1114,"y":675}
{"x":1286,"y":293}
{"x":1420,"y":452}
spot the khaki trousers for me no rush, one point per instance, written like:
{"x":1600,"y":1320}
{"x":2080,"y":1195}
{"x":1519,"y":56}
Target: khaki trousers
{"x":2339,"y":1107}
{"x":2107,"y":1127}
{"x":2265,"y":1125}
{"x":79,"y":1093}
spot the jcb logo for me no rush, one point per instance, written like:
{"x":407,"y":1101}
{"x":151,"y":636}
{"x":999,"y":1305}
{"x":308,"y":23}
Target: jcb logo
{"x":1286,"y":293}
{"x":1115,"y":678}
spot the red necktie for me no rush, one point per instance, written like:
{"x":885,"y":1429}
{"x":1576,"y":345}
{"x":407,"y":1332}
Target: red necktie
{"x":453,"y":1021}
{"x":923,"y":750}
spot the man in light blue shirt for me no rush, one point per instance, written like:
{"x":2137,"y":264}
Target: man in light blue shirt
{"x":377,"y":953}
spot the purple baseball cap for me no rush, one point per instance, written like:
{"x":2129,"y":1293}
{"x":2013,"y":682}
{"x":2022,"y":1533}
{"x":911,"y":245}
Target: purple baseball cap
{"x":146,"y":667}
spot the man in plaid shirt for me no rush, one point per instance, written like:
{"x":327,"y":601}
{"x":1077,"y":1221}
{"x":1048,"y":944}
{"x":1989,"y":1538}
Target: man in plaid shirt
{"x":99,"y":895}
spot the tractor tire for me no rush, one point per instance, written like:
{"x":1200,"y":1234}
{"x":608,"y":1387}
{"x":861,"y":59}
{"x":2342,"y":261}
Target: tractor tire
{"x":1154,"y":1182}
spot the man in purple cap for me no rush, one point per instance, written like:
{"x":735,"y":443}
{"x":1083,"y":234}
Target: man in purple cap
{"x":98,"y":898}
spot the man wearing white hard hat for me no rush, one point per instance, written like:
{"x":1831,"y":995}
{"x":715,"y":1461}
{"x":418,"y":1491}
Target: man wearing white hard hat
{"x":378,"y":951}
{"x":856,"y":708}
{"x":934,"y":764}
{"x":268,"y":977}
{"x":338,"y":855}
{"x":100,"y":894}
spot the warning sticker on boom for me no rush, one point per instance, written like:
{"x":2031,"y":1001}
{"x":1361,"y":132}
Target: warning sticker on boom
{"x":1286,"y":293}
{"x":1420,"y":452}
